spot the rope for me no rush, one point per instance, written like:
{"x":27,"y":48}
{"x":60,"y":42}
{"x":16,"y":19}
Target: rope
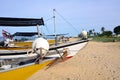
{"x":49,"y":19}
{"x":46,"y":25}
{"x":63,"y":19}
{"x":67,"y":21}
{"x":47,"y":29}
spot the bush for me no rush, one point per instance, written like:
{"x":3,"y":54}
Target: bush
{"x":106,"y":39}
{"x":106,"y":33}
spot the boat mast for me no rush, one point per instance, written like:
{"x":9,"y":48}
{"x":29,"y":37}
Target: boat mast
{"x":54,"y":27}
{"x":38,"y":31}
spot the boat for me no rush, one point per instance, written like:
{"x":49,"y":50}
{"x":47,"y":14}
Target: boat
{"x":20,"y":46}
{"x":26,"y":63}
{"x":25,"y":39}
{"x":21,"y":66}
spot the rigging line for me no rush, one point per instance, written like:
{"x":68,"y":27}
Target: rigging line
{"x":67,"y":21}
{"x":49,"y":19}
{"x":47,"y":29}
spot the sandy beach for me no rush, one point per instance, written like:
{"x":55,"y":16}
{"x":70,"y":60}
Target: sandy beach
{"x":96,"y":61}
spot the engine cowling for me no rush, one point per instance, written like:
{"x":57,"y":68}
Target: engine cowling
{"x":40,"y":43}
{"x":84,"y":34}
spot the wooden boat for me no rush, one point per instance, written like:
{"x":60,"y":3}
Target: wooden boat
{"x":20,"y":46}
{"x":23,"y":72}
{"x":27,"y":42}
{"x":26,"y":69}
{"x":20,"y":67}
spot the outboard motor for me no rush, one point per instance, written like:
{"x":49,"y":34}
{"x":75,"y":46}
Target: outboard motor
{"x":40,"y":46}
{"x":84,"y":34}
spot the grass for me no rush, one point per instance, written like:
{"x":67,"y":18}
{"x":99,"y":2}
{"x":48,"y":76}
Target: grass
{"x":106,"y":39}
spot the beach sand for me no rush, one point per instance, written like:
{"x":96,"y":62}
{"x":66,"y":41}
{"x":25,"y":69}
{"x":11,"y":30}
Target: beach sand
{"x":96,"y":61}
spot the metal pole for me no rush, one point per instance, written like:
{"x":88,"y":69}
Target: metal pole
{"x":38,"y":30}
{"x":54,"y":27}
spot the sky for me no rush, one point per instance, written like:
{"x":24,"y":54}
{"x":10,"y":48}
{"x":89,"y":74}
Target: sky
{"x":80,"y":14}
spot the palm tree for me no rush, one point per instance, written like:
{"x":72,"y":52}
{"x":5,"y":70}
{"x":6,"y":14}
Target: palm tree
{"x":102,"y":29}
{"x":90,"y":32}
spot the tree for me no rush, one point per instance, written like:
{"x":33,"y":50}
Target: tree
{"x":117,"y":30}
{"x":102,"y":29}
{"x":90,"y":32}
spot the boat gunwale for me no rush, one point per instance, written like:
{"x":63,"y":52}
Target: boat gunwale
{"x":26,"y":65}
{"x":53,"y":48}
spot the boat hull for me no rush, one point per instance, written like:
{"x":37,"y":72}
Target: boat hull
{"x":22,"y":73}
{"x":29,"y":43}
{"x":22,"y":47}
{"x":12,"y":50}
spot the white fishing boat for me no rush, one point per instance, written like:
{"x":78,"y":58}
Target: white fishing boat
{"x":11,"y":64}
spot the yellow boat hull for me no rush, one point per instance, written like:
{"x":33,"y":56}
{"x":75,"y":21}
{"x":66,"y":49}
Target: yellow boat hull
{"x":23,"y":73}
{"x":24,"y":45}
{"x":29,"y":44}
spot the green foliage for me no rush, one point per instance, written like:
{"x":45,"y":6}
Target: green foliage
{"x":90,"y":32}
{"x":105,"y":36}
{"x":102,"y":29}
{"x":106,"y":39}
{"x":106,"y":33}
{"x":117,"y":30}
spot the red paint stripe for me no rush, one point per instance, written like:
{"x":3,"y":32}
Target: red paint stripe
{"x":66,"y":58}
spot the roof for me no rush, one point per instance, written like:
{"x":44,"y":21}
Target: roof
{"x":7,"y":21}
{"x":25,"y":34}
{"x":58,"y":34}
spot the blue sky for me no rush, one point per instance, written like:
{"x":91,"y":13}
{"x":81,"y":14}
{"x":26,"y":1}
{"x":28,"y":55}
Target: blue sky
{"x":82,"y":14}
